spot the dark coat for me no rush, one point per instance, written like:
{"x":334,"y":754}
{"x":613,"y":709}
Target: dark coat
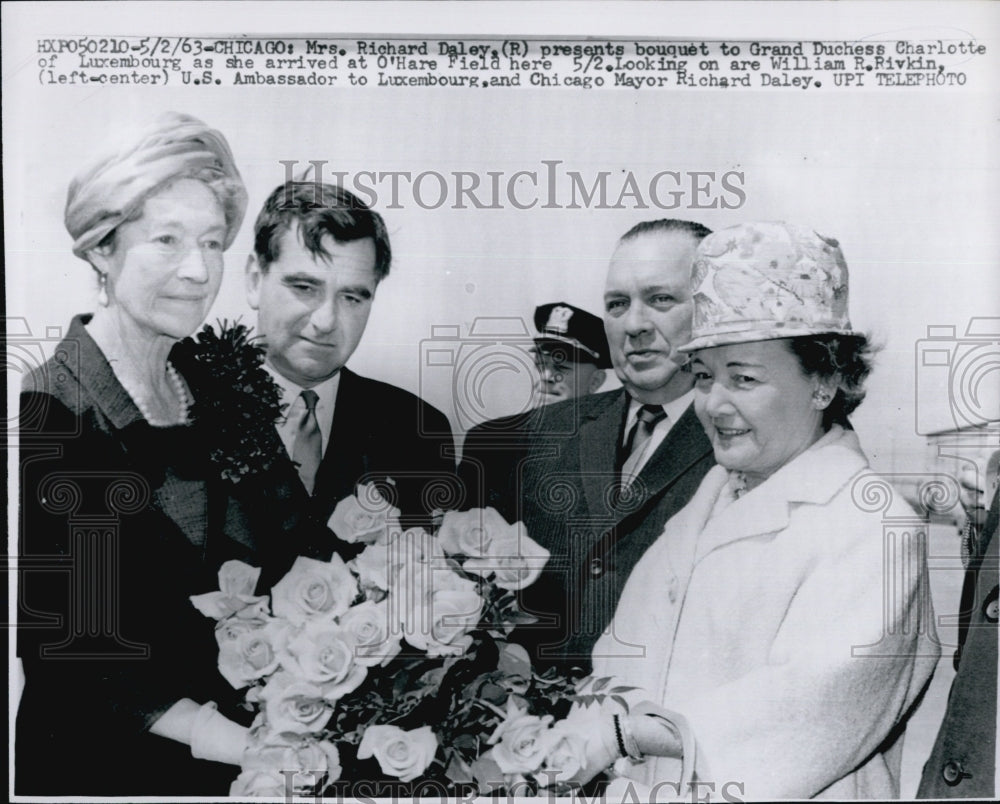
{"x":119,"y":523}
{"x":379,"y":432}
{"x":492,"y":454}
{"x":568,"y":499}
{"x":963,"y":761}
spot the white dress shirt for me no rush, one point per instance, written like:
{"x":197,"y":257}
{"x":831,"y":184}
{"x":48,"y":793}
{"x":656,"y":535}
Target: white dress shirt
{"x":291,"y":394}
{"x":674,"y":411}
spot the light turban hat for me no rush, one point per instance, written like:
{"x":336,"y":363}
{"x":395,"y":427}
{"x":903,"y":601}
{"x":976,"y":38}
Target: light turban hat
{"x":112,"y":191}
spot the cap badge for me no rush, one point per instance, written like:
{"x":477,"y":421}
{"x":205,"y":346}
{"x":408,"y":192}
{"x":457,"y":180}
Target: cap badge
{"x":559,"y":319}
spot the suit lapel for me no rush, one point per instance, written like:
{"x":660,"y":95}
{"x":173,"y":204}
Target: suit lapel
{"x":600,"y":436}
{"x":685,"y":445}
{"x":345,"y":458}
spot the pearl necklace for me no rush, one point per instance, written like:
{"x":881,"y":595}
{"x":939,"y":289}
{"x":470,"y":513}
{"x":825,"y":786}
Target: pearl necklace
{"x":180,"y":391}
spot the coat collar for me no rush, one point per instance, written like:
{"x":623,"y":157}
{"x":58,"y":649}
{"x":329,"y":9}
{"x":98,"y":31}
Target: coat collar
{"x":142,"y":443}
{"x":96,"y":376}
{"x":813,"y":478}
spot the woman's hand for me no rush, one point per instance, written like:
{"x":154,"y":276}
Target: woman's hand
{"x":655,"y":734}
{"x":210,"y":735}
{"x":216,"y":737}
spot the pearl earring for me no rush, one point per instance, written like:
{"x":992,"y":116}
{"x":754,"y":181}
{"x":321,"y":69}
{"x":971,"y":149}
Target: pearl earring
{"x":102,"y":289}
{"x":822,"y":398}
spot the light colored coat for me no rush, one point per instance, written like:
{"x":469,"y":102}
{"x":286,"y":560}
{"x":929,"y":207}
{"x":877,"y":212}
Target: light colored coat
{"x":793,"y":629}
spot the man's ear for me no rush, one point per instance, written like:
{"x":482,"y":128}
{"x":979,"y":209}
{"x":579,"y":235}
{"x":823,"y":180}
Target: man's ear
{"x":596,"y":381}
{"x":253,"y":278}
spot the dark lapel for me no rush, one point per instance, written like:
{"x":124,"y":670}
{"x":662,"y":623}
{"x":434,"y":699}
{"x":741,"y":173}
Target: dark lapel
{"x":685,"y":444}
{"x":346,"y":456}
{"x":600,"y":436}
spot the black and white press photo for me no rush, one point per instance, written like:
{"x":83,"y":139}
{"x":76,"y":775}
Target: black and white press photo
{"x":502,"y":400}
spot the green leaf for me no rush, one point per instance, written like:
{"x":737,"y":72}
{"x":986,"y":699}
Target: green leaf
{"x":493,"y":693}
{"x":514,"y":660}
{"x":487,"y":774}
{"x":520,"y":618}
{"x":459,"y":770}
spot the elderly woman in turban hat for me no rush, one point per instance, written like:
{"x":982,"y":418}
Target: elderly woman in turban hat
{"x":119,"y":519}
{"x":780,"y":629}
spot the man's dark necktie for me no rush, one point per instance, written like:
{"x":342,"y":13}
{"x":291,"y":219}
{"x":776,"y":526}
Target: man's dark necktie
{"x":308,"y":449}
{"x":638,"y":440}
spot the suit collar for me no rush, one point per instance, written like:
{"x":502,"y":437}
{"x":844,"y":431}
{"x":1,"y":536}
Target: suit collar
{"x":674,"y":411}
{"x":813,"y":478}
{"x":287,"y":427}
{"x":685,"y":444}
{"x":349,"y":409}
{"x":347,"y":455}
{"x":95,"y":375}
{"x":600,"y":436}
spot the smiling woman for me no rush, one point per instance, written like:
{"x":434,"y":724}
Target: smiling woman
{"x":758,"y":407}
{"x":105,"y":438}
{"x":774,"y":629}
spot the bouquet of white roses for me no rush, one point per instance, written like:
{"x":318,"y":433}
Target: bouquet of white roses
{"x":396,"y":664}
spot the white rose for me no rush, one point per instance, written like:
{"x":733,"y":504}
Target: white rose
{"x":322,"y":654}
{"x":237,"y":582}
{"x":471,"y":533}
{"x":440,"y":620}
{"x":377,"y":564}
{"x":376,"y":640}
{"x":365,"y":517}
{"x":237,"y":578}
{"x":401,"y":754}
{"x":314,"y":590}
{"x":252,"y":653}
{"x":522,"y":741}
{"x":258,"y":784}
{"x":302,"y":759}
{"x":514,"y":561}
{"x":418,"y":566}
{"x":233,"y":628}
{"x":295,"y":706}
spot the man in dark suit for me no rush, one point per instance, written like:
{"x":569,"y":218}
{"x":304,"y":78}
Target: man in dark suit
{"x":319,"y":256}
{"x":571,"y":354}
{"x":608,"y":470}
{"x":962,"y":763}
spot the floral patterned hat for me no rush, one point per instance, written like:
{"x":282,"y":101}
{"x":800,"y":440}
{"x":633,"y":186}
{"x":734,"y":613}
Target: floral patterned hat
{"x":762,"y":281}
